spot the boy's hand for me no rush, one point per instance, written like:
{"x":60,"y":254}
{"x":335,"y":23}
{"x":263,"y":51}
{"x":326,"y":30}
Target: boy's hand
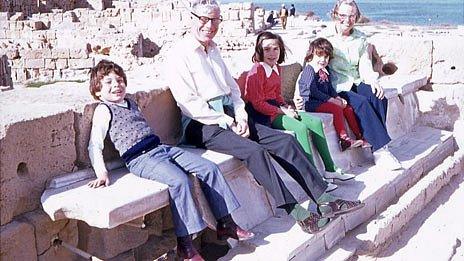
{"x":100,"y":181}
{"x":298,"y":101}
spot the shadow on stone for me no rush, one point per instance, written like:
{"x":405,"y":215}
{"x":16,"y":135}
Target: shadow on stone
{"x":145,"y":48}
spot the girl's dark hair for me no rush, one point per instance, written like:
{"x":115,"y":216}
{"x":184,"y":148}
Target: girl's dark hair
{"x":258,"y":56}
{"x":320,"y":46}
{"x":103,"y":68}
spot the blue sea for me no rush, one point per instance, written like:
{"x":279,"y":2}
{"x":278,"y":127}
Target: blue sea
{"x":413,"y":12}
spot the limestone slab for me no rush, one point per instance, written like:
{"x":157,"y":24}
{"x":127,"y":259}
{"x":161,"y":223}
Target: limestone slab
{"x":127,"y":198}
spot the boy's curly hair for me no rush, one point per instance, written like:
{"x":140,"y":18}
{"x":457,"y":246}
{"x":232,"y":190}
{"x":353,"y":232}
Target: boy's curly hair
{"x":103,"y":68}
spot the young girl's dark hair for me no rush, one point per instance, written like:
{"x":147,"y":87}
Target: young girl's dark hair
{"x":320,"y":47}
{"x":103,"y":68}
{"x":258,"y":56}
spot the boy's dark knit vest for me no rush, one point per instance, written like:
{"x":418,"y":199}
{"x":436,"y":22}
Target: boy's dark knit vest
{"x":129,"y":131}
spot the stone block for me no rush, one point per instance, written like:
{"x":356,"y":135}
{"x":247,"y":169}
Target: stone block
{"x":32,"y":151}
{"x":60,"y":53}
{"x":50,"y":64}
{"x":81,"y":63}
{"x":156,"y":246}
{"x":448,"y":66}
{"x":313,"y":250}
{"x":78,"y":53}
{"x":126,"y":256}
{"x":45,"y":230}
{"x":356,"y":218}
{"x":61,"y":63}
{"x":409,"y":54}
{"x":2,"y":34}
{"x":70,"y":197}
{"x":108,"y":243}
{"x":334,"y":233}
{"x":162,"y":114}
{"x":17,"y":241}
{"x":34,"y":63}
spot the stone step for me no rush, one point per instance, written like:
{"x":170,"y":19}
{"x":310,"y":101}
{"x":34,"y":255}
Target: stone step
{"x":280,"y":238}
{"x":373,"y":237}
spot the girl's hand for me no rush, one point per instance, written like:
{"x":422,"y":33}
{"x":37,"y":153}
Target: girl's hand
{"x":290,"y":112}
{"x":298,"y":101}
{"x":344,"y":102}
{"x":337,"y":102}
{"x":100,"y":181}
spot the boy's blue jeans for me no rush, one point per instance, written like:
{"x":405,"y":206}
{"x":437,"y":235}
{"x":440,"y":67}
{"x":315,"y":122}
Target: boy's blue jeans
{"x":171,"y":166}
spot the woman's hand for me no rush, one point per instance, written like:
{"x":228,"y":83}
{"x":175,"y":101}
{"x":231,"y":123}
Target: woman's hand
{"x":103,"y":180}
{"x":298,"y":101}
{"x":377,"y":90}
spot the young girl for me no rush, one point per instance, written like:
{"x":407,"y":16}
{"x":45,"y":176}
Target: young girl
{"x":318,"y":95}
{"x":119,"y":118}
{"x":267,"y":106}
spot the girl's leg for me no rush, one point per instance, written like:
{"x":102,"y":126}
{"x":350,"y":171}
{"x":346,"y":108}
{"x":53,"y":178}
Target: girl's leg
{"x":337,"y":113}
{"x":284,"y":122}
{"x":352,"y":121}
{"x":314,"y":124}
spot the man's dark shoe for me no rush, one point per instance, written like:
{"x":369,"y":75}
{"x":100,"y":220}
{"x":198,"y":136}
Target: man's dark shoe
{"x":186,"y":250}
{"x":312,"y":224}
{"x":233,"y":231}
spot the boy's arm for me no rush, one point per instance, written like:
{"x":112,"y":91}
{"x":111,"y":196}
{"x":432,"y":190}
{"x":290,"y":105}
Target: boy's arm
{"x":100,"y":123}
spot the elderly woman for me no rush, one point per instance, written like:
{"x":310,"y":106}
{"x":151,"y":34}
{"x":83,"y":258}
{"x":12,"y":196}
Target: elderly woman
{"x":355,"y":81}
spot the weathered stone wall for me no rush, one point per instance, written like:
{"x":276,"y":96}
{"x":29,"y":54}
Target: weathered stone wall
{"x":64,"y":44}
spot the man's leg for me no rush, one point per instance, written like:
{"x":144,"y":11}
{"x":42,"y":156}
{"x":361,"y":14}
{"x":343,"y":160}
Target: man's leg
{"x":291,"y":156}
{"x":255,"y":157}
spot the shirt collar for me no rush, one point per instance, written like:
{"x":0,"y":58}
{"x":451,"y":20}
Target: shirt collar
{"x":318,"y":68}
{"x":268,"y":69}
{"x":195,"y":44}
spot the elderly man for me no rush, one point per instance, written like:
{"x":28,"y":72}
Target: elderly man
{"x":214,"y":117}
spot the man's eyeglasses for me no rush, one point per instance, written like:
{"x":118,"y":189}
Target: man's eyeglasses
{"x":205,"y":19}
{"x":344,"y":17}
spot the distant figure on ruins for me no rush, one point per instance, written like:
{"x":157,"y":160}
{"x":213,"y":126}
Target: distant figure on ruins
{"x":292,"y":10}
{"x":119,"y":118}
{"x":270,"y":19}
{"x":283,"y":14}
{"x":292,"y":15}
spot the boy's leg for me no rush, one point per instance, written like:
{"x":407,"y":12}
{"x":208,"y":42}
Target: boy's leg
{"x":155,"y":165}
{"x":373,"y":129}
{"x":255,"y":157}
{"x":314,"y":124}
{"x":218,"y":193}
{"x":284,"y":122}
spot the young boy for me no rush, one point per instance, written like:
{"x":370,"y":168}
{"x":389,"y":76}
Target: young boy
{"x":145,"y":156}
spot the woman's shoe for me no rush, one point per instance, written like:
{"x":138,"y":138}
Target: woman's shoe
{"x":383,"y":157}
{"x":331,"y":187}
